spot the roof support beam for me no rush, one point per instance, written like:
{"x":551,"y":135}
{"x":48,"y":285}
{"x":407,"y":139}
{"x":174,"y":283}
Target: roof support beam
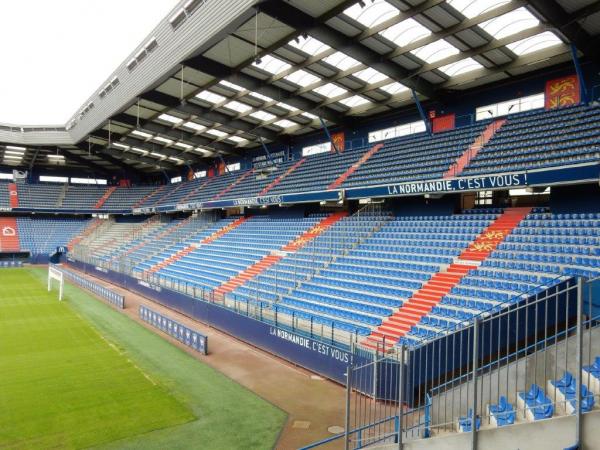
{"x":567,"y":25}
{"x":295,"y":18}
{"x":86,"y":162}
{"x":137,"y":158}
{"x":176,"y":134}
{"x":253,"y":84}
{"x":207,"y":114}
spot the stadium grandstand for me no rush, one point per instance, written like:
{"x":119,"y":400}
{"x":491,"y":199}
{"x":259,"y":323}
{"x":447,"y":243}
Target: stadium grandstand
{"x":399,"y":197}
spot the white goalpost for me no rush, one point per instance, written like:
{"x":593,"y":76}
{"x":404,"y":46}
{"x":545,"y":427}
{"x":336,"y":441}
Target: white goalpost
{"x":55,"y":274}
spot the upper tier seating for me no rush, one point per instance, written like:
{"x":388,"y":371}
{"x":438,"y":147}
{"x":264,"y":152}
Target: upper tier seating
{"x":43,"y":195}
{"x":82,"y":197}
{"x":42,"y":236}
{"x":538,"y":139}
{"x":416,"y":157}
{"x":127,"y":197}
{"x":4,"y":197}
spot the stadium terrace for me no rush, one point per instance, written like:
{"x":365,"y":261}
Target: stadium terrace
{"x":305,"y":224}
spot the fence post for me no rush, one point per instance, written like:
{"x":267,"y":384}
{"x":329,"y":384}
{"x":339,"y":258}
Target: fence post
{"x":578,"y":378}
{"x":348,"y":395}
{"x":475,"y":364}
{"x":400,"y":396}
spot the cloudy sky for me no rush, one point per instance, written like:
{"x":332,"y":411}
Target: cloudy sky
{"x":56,"y":53}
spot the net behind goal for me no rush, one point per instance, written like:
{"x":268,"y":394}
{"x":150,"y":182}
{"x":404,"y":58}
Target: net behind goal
{"x":56,"y":275}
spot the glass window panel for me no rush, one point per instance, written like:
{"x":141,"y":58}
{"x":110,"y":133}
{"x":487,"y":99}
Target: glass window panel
{"x":534,"y":43}
{"x":394,"y":88}
{"x":310,"y":45}
{"x":435,"y":51}
{"x":330,"y":90}
{"x":405,"y":32}
{"x":372,"y":13}
{"x":341,"y":61}
{"x":510,"y":23}
{"x":263,"y":115}
{"x":370,"y":75}
{"x":460,"y":67}
{"x":272,"y":65}
{"x":210,"y":97}
{"x":355,"y":100}
{"x":302,"y":78}
{"x":474,"y":8}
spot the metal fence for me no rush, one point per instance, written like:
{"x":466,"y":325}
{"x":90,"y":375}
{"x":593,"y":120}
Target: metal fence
{"x":533,"y":359}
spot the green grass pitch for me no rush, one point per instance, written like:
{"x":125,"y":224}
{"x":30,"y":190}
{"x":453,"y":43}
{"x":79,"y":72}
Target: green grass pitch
{"x":78,"y":374}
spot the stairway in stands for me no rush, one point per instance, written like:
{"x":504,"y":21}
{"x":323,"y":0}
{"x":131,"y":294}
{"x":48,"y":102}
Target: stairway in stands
{"x":152,"y":194}
{"x":354,"y":167}
{"x":105,"y":197}
{"x":9,"y":235}
{"x":457,"y":167}
{"x":193,"y":192}
{"x":232,"y":185}
{"x":440,"y":284}
{"x":262,"y":265}
{"x":281,"y":177}
{"x":89,"y":229}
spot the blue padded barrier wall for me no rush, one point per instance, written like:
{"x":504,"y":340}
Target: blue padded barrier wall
{"x":112,"y":297}
{"x":183,"y":334}
{"x":6,"y":264}
{"x":323,"y":358}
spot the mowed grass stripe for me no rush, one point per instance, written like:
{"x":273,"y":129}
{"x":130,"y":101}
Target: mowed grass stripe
{"x":61,"y":384}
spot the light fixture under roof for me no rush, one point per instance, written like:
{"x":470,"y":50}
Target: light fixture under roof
{"x":139,"y":150}
{"x":157,"y":155}
{"x":237,"y":139}
{"x":210,"y":97}
{"x":330,"y":90}
{"x":302,"y":78}
{"x":310,"y":45}
{"x":119,"y":145}
{"x":177,"y":160}
{"x":270,"y":64}
{"x":194,"y":126}
{"x":141,"y":134}
{"x":13,"y":152}
{"x":13,"y":157}
{"x":183,"y":145}
{"x":171,"y":119}
{"x":14,"y":147}
{"x":371,"y":13}
{"x":56,"y":157}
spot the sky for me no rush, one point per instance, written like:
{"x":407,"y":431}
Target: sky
{"x":56,"y":53}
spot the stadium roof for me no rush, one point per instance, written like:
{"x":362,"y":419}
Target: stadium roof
{"x":276,"y":68}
